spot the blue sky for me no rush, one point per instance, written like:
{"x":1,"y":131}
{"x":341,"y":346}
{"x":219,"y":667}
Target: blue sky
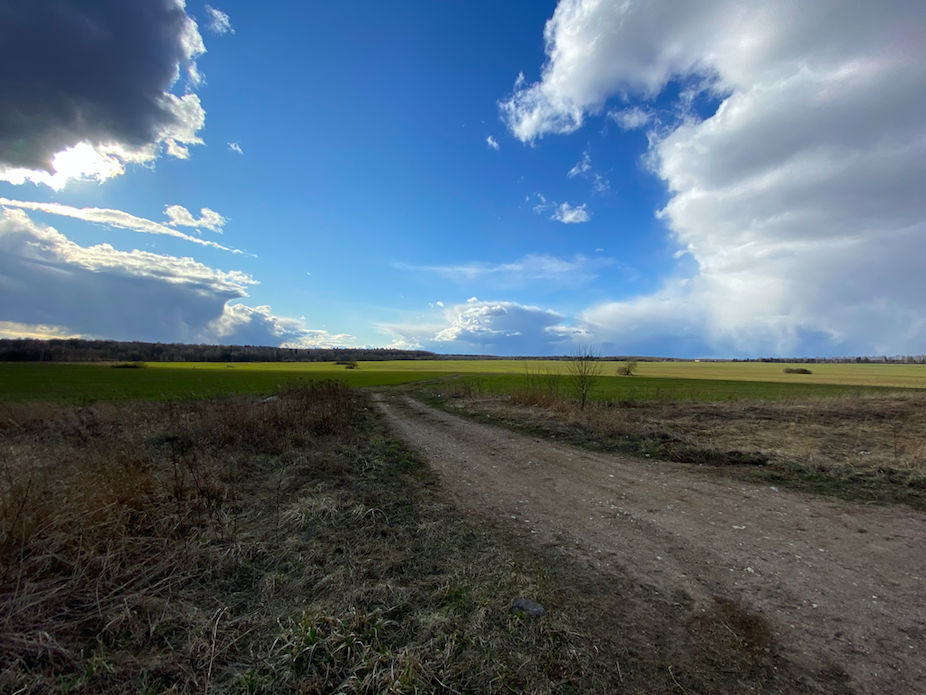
{"x":724,"y":179}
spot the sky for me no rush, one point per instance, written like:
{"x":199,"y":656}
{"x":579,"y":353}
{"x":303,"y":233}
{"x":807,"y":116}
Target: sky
{"x":727,"y":178}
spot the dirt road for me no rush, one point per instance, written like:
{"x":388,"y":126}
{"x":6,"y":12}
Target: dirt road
{"x":843,"y":585}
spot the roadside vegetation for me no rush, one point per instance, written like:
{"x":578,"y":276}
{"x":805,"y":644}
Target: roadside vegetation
{"x":289,"y":544}
{"x":866,"y":444}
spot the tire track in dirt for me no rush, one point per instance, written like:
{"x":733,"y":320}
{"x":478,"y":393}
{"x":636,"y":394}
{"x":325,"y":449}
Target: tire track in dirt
{"x":843,"y":585}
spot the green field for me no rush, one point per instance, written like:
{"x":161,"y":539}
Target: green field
{"x":660,"y":380}
{"x":79,"y":383}
{"x":642,"y":388}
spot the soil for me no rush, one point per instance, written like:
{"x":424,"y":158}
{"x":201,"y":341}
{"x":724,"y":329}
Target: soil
{"x":840,"y":585}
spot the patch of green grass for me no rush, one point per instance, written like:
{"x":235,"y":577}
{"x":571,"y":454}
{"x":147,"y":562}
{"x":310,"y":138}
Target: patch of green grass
{"x":641,"y":389}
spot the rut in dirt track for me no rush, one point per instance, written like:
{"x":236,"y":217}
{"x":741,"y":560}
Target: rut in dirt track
{"x":841,"y":584}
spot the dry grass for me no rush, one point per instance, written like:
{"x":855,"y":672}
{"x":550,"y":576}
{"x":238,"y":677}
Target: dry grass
{"x":291,"y":546}
{"x":116,"y":522}
{"x":863,"y":447}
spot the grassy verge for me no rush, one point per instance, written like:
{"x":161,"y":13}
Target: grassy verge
{"x":868,"y":448}
{"x":291,"y":545}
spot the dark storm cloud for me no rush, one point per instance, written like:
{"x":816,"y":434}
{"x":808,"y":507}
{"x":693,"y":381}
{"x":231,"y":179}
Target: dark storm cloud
{"x":88,"y":71}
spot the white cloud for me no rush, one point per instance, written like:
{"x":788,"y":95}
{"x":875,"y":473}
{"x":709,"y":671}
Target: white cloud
{"x":235,"y":147}
{"x":219,"y":23}
{"x":503,"y":328}
{"x":209,"y":219}
{"x":582,"y":167}
{"x":632,"y":118}
{"x":244,"y":325}
{"x":531,"y":268}
{"x":51,"y":286}
{"x":564,"y":212}
{"x":492,"y":143}
{"x":800,"y":200}
{"x":117,"y":219}
{"x":440,"y":304}
{"x":567,"y":214}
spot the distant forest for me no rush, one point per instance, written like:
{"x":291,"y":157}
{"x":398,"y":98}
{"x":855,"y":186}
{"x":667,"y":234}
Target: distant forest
{"x":78,"y":350}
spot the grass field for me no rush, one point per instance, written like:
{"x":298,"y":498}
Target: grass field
{"x":78,"y":383}
{"x":641,"y":388}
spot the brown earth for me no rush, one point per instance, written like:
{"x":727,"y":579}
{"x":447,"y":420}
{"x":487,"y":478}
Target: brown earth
{"x":839,"y":585}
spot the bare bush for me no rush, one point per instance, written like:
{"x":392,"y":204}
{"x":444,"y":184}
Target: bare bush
{"x":583,"y":369}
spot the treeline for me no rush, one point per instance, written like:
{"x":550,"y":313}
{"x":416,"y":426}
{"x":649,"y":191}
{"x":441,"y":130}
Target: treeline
{"x":77,"y":350}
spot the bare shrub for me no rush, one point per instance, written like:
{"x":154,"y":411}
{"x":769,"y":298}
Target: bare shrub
{"x":542,"y":388}
{"x":584,"y":369}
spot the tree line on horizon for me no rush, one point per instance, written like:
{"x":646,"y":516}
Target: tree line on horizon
{"x":82,"y":350}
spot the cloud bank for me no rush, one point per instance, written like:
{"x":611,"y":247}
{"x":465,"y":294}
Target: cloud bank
{"x":91,"y":88}
{"x":51,"y":286}
{"x":499,"y":328}
{"x":799,"y":200}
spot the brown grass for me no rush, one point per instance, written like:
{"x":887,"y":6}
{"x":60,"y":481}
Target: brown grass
{"x":114,"y":519}
{"x":865,"y":447}
{"x":291,"y":546}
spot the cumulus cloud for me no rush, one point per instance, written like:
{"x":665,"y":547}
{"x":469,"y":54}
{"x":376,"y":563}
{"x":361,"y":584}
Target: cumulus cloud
{"x":235,"y":147}
{"x":531,"y":268}
{"x":243,"y":325}
{"x":219,"y":22}
{"x":51,"y":286}
{"x":800,"y":199}
{"x":90,"y":90}
{"x":179,"y":216}
{"x":567,"y":214}
{"x":502,"y":328}
{"x":492,"y":143}
{"x":119,"y":219}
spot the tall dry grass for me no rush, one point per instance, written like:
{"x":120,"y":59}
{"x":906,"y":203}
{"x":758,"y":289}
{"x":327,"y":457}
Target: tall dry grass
{"x":292,"y":545}
{"x":108,"y":513}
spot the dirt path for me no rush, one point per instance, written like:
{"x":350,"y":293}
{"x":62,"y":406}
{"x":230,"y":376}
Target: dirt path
{"x":843,"y":585}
